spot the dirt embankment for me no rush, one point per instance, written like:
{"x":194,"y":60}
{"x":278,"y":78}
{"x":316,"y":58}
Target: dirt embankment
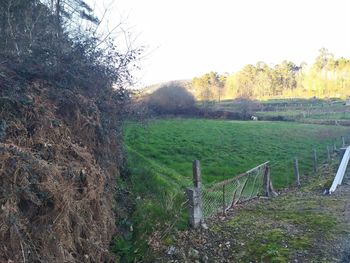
{"x":58,"y":163}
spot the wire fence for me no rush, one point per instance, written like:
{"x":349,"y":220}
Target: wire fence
{"x":207,"y":201}
{"x":224,"y":195}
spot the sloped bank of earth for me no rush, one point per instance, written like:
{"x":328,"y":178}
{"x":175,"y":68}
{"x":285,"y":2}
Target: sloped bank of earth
{"x":58,"y":163}
{"x":301,"y":225}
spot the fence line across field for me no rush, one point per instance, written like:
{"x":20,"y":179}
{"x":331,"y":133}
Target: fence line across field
{"x":208,"y":201}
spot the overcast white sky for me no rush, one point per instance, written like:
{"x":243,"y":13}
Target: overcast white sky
{"x":187,"y":38}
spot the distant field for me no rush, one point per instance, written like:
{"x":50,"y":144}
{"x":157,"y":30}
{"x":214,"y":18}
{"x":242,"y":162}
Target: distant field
{"x":303,"y":110}
{"x":305,"y":115}
{"x":227,"y":148}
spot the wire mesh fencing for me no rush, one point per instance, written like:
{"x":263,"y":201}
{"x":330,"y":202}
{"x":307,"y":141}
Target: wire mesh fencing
{"x":207,"y":201}
{"x":224,"y":195}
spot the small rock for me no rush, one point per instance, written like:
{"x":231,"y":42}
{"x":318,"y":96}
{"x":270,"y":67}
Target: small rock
{"x":193,"y":253}
{"x":205,"y":226}
{"x":205,"y":259}
{"x":171,"y":250}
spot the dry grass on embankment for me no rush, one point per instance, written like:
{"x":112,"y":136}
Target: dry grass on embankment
{"x":58,"y":163}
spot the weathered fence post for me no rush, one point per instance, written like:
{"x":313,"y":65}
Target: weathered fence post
{"x":296,"y":171}
{"x":334,"y":146}
{"x":266,"y":182}
{"x":269,"y":191}
{"x":328,"y":154}
{"x":223,"y":200}
{"x":194,"y":195}
{"x":197,"y":180}
{"x":343,"y":141}
{"x":315,"y":160}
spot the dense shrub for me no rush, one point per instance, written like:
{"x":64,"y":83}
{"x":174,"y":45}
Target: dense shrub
{"x":172,"y":98}
{"x":61,"y":42}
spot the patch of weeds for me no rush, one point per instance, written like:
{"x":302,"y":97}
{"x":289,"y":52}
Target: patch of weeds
{"x":169,"y":240}
{"x":281,"y":230}
{"x":311,"y":221}
{"x":123,"y":246}
{"x":275,"y":245}
{"x":301,"y":242}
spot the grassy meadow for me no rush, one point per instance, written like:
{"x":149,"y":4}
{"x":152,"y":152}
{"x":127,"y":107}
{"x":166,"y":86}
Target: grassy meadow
{"x":228,"y":148}
{"x":160,"y":155}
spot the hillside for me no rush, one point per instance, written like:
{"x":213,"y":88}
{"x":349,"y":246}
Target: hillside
{"x":62,"y":104}
{"x":94,"y":170}
{"x":59,"y":159}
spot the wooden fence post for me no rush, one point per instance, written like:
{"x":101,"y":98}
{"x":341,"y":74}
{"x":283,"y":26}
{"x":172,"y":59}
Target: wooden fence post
{"x":194,"y":195}
{"x":334,"y":146}
{"x":269,"y":191}
{"x":296,"y":171}
{"x":197,"y":180}
{"x":266,"y":182}
{"x":343,"y":141}
{"x":315,"y":160}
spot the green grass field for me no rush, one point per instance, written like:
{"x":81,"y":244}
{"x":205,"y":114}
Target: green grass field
{"x":160,"y":155}
{"x":228,"y":148}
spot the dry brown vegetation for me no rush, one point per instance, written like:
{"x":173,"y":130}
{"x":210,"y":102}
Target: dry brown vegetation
{"x":59,"y":157}
{"x":60,"y":131}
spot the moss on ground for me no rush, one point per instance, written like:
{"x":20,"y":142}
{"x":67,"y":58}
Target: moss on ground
{"x":300,"y":225}
{"x":277,"y":231}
